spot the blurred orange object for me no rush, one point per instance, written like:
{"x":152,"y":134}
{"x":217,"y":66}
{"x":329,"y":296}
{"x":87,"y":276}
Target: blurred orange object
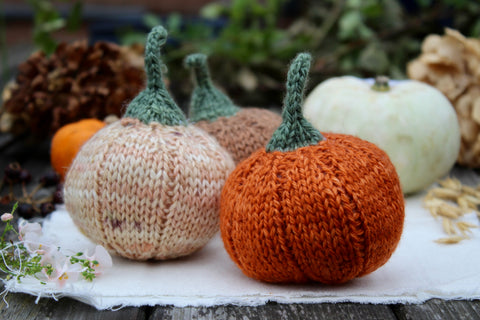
{"x":68,"y":140}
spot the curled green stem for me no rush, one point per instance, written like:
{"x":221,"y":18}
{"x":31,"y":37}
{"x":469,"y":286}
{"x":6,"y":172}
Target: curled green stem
{"x":154,"y":103}
{"x":198,"y":63}
{"x":295,"y":131}
{"x":207,"y":102}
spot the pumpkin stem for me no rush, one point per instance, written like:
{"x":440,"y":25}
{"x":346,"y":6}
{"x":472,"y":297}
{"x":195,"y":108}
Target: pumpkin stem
{"x":381,"y":84}
{"x":154,"y":103}
{"x":207,"y":102}
{"x":295,"y":131}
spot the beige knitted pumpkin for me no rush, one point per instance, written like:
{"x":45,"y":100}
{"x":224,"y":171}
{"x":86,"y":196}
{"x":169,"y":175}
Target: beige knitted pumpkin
{"x":148,"y":186}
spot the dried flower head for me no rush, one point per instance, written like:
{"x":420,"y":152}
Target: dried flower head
{"x":451,"y":63}
{"x":77,"y":81}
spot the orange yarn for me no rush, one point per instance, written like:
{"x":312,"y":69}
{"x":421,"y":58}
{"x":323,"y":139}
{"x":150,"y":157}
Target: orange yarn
{"x":328,"y":212}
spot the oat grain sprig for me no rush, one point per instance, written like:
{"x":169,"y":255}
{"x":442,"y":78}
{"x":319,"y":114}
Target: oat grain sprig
{"x":450,"y":201}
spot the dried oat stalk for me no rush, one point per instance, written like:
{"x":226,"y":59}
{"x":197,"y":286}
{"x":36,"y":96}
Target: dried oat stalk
{"x":449,"y":201}
{"x":77,"y":81}
{"x":451,"y":63}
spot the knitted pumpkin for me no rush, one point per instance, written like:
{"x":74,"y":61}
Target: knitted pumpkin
{"x":311,"y":207}
{"x":239,"y":130}
{"x":148,"y":186}
{"x":68,"y":140}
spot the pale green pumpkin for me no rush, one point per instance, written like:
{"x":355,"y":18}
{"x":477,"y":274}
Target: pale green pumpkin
{"x":412,"y":121}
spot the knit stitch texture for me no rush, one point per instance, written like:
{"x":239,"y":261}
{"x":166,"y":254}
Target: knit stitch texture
{"x":295,"y":131}
{"x":311,"y":207}
{"x":148,"y":191}
{"x":245,"y":132}
{"x":239,"y":130}
{"x":148,"y":186}
{"x":207,"y":102}
{"x":154,"y":103}
{"x":327,"y":213}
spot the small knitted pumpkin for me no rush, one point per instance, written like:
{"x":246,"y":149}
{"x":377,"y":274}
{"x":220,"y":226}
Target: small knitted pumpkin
{"x":326,"y":208}
{"x":239,"y":130}
{"x":68,"y":140}
{"x":148,"y":186}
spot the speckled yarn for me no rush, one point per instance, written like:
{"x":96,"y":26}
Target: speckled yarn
{"x":148,"y":186}
{"x":143,"y":196}
{"x":239,"y":130}
{"x":244,"y":133}
{"x":311,"y":207}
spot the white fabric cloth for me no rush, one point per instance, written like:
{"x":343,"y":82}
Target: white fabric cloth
{"x":419,"y":269}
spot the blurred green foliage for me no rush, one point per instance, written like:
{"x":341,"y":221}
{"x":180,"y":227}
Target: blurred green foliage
{"x":47,"y":20}
{"x":259,"y":38}
{"x":251,"y":42}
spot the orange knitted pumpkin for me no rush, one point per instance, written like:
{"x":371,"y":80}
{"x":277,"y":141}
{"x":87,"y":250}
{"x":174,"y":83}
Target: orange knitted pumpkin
{"x":326,"y":208}
{"x":68,"y":140}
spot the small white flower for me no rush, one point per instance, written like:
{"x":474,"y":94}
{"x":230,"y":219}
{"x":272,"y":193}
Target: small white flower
{"x":56,"y":266}
{"x":29,"y":230}
{"x":63,"y":272}
{"x":103,"y":258}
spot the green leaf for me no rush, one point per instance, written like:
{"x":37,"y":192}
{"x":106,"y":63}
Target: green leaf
{"x":52,"y":25}
{"x":424,"y":3}
{"x":374,"y":59}
{"x":365,"y":32}
{"x":74,"y":19}
{"x":372,"y":10}
{"x":213,"y":10}
{"x":238,"y":12}
{"x":348,"y":24}
{"x":45,"y":42}
{"x":132,"y":37}
{"x":151,"y":20}
{"x":456,"y":3}
{"x":354,"y":3}
{"x":475,"y":30}
{"x":392,"y":16}
{"x":347,"y":64}
{"x":15,"y":206}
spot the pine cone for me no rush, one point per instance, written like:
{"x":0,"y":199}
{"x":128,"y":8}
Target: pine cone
{"x":77,"y":81}
{"x":451,"y":63}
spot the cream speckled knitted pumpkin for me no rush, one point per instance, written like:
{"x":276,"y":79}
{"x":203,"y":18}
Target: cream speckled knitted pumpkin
{"x":148,"y":186}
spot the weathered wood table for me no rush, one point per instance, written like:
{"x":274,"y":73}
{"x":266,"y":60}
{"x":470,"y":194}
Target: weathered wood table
{"x":34,"y":157}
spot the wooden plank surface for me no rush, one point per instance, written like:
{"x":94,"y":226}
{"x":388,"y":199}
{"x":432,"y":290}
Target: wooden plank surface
{"x":23,"y":306}
{"x":274,"y":311}
{"x":438,"y":309}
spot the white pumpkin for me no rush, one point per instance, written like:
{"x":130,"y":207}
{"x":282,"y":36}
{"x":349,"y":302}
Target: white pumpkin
{"x":412,"y":121}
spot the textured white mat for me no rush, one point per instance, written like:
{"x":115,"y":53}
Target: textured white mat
{"x":420,"y":269}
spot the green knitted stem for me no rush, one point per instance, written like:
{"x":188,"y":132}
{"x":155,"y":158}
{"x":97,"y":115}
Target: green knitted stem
{"x":154,"y":103}
{"x":207,"y":102}
{"x":295,"y":131}
{"x":381,"y":84}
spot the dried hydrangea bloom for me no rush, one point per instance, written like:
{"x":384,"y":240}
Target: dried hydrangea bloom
{"x":451,"y":63}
